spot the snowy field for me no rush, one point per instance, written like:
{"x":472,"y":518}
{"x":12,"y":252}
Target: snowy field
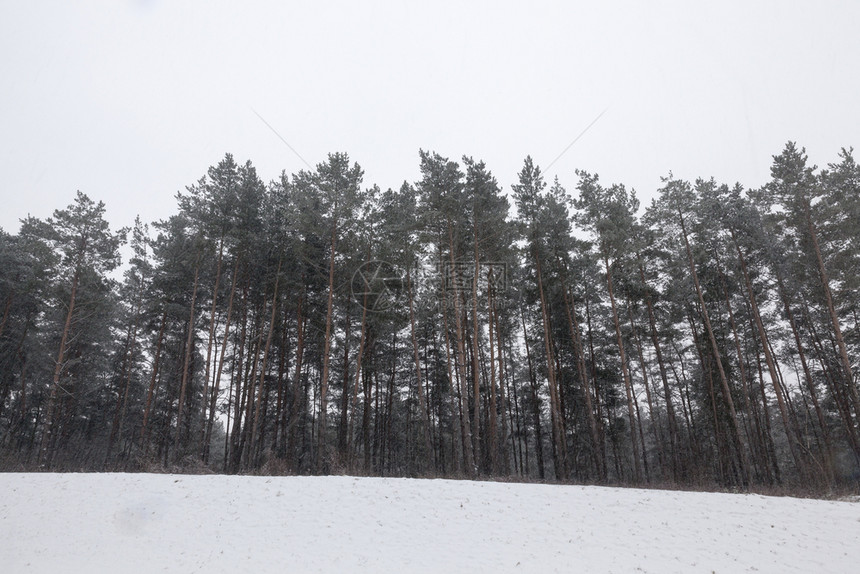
{"x":117,"y":523}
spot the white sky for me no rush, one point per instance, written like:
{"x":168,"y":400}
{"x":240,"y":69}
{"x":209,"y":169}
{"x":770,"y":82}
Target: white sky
{"x":130,"y":101}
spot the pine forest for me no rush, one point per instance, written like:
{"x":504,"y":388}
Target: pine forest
{"x":459,"y":326}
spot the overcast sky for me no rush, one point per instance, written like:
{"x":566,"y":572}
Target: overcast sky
{"x":131,"y":100}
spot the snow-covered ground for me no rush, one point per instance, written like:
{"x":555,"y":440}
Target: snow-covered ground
{"x":117,"y":523}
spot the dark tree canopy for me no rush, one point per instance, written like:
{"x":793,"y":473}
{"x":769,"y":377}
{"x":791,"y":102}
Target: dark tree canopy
{"x":449,"y":327}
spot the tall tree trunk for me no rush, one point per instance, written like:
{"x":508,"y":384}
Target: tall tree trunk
{"x":389,"y":405}
{"x":593,"y":371}
{"x":768,"y":357}
{"x":217,"y":383}
{"x":358,"y":374}
{"x":810,"y":384}
{"x":561,"y":470}
{"x":296,"y":394}
{"x":667,"y":391}
{"x":321,"y":460}
{"x":655,"y":427}
{"x":518,"y":426}
{"x":761,"y":454}
{"x":48,"y":434}
{"x":628,"y":384}
{"x":212,"y":321}
{"x":842,"y":403}
{"x":249,"y":394}
{"x":342,"y":440}
{"x":368,"y":379}
{"x":837,"y":330}
{"x":597,"y":454}
{"x":424,"y":425}
{"x":125,"y":378}
{"x":239,"y":382}
{"x":708,"y":376}
{"x":144,"y":429}
{"x":279,"y":438}
{"x":189,"y":350}
{"x":456,"y":398}
{"x":492,"y":430}
{"x":681,"y":382}
{"x":261,"y":386}
{"x":503,"y":394}
{"x":470,"y":462}
{"x":535,"y":401}
{"x":767,"y":428}
{"x":476,"y":391}
{"x":733,"y":418}
{"x":741,"y":366}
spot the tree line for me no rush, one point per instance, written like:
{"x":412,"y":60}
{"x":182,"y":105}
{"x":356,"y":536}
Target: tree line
{"x":313,"y":324}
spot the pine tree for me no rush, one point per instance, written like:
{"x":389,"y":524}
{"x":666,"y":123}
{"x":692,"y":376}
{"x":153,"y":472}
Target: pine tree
{"x":88,"y":251}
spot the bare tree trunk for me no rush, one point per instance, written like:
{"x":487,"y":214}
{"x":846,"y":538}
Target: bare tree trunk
{"x":707,"y":375}
{"x":733,"y":418}
{"x":741,"y":367}
{"x":189,"y":344}
{"x":767,"y":428}
{"x":249,"y":394}
{"x":597,"y":454}
{"x":768,"y":357}
{"x":628,"y":384}
{"x":837,"y":330}
{"x":655,"y":427}
{"x":365,"y":418}
{"x":761,"y":456}
{"x":476,"y":391}
{"x":239,"y":382}
{"x":503,"y":394}
{"x":261,"y":388}
{"x":842,"y":403}
{"x":212,"y":321}
{"x":600,"y":430}
{"x":321,"y":434}
{"x":810,"y":384}
{"x":342,"y":437}
{"x":519,"y":427}
{"x":456,"y":397}
{"x":279,"y":438}
{"x":125,"y":379}
{"x":389,"y":407}
{"x":555,"y":408}
{"x":358,"y":373}
{"x":48,"y":435}
{"x":492,"y":431}
{"x":422,"y":404}
{"x":144,"y":430}
{"x":217,"y":384}
{"x":686,"y":409}
{"x":667,"y":391}
{"x":469,"y":462}
{"x":296,"y":395}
